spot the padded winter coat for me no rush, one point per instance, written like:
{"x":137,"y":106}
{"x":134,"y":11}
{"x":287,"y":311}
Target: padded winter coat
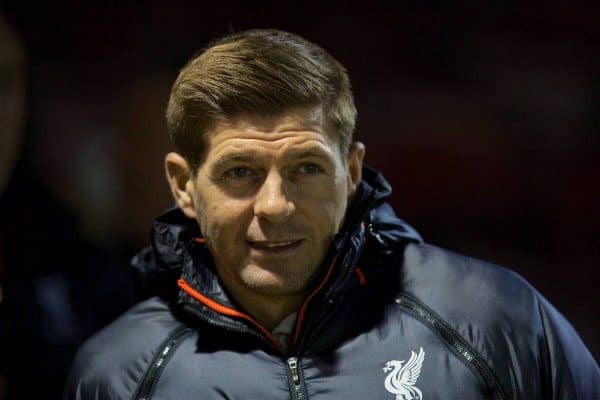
{"x":389,"y":318}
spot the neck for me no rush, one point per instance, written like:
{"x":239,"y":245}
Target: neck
{"x":270,"y":315}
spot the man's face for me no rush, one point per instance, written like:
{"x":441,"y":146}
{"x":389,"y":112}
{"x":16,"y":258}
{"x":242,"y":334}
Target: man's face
{"x":269,"y":197}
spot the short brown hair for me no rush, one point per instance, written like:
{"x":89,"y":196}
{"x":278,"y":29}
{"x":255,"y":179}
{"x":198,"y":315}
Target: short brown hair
{"x":266,"y":71}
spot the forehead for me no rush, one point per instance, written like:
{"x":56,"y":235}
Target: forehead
{"x":293,"y":129}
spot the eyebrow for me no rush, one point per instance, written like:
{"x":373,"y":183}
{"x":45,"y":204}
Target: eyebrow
{"x":250,"y":156}
{"x":232,"y":158}
{"x":297,"y":154}
{"x":308,"y":153}
{"x":236,"y":157}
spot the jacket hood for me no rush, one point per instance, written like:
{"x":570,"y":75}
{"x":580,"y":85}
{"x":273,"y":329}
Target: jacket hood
{"x":382,"y":217}
{"x":160,"y":264}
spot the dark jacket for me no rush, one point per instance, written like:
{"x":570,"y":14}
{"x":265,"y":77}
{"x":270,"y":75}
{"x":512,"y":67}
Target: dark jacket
{"x":390,"y":318}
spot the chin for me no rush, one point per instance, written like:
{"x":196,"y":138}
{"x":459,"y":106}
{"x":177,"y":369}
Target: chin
{"x":267,"y":282}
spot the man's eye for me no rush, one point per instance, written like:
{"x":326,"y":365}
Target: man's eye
{"x":237,"y":173}
{"x":310,"y":169}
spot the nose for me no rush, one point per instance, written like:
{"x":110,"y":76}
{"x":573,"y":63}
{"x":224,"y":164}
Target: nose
{"x":271,"y":201}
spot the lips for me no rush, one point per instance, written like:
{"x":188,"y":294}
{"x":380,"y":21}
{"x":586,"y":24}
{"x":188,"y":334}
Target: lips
{"x":274,"y":247}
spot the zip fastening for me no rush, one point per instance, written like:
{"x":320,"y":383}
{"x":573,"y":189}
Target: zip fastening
{"x":376,"y":235}
{"x":353,"y":253}
{"x":192,"y":310}
{"x":293,"y":370}
{"x":296,"y":379}
{"x":348,"y":262}
{"x":165,"y":351}
{"x":224,"y":310}
{"x":456,"y":343}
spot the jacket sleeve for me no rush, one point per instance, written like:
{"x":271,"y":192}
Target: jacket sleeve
{"x":85,"y":382}
{"x":570,"y":369}
{"x":103,"y":369}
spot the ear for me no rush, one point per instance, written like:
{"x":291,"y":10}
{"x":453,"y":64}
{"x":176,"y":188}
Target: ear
{"x":180,"y":178}
{"x":354,"y":162}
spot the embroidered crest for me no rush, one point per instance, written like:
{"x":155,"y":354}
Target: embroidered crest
{"x":402,"y":377}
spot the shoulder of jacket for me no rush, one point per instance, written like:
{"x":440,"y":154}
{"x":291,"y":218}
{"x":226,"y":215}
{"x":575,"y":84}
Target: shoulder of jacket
{"x":463,"y":288}
{"x":493,"y":309}
{"x":113,"y":361}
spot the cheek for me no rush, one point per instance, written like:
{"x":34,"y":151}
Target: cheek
{"x":222,"y":222}
{"x":326,"y":205}
{"x":339,"y":194}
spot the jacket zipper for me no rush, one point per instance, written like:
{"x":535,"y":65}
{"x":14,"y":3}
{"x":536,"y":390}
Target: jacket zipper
{"x":293,"y":368}
{"x":192,"y":310}
{"x":162,"y":357}
{"x":296,"y":379}
{"x":350,"y":258}
{"x":223,"y":310}
{"x":457,"y":344}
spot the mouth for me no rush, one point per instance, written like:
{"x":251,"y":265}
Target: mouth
{"x":275,"y":247}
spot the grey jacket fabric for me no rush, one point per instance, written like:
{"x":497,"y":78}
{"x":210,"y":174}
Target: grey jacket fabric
{"x":393,"y":318}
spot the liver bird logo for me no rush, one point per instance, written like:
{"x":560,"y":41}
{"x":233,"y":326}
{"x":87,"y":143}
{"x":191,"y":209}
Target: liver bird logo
{"x":402,"y":377}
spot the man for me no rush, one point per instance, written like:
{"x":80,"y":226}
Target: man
{"x":283,"y":273}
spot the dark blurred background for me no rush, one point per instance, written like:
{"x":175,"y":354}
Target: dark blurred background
{"x":485,"y":118}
